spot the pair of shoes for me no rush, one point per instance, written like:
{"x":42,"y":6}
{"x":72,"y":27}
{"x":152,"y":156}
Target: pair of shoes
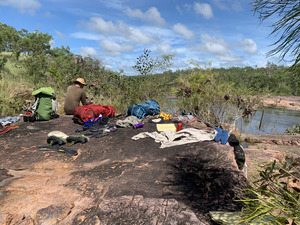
{"x":222,"y":135}
{"x":77,"y":139}
{"x":233,"y":141}
{"x":218,"y":136}
{"x":54,"y":140}
{"x":239,"y":156}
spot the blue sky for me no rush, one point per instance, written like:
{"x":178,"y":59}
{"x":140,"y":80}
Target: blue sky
{"x":223,"y":32}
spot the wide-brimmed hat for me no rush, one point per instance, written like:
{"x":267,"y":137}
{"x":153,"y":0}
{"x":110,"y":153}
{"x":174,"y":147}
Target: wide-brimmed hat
{"x":79,"y":80}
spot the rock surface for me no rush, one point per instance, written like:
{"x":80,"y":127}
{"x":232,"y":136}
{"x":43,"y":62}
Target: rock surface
{"x":113,"y":179}
{"x":286,"y":102}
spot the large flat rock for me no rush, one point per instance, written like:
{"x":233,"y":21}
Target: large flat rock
{"x":113,"y":179}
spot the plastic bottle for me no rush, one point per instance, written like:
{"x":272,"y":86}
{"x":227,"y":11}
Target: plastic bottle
{"x":179,"y":126}
{"x":111,"y":129}
{"x":138,"y":126}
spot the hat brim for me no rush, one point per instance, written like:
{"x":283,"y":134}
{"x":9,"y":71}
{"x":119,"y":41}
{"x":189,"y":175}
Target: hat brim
{"x":76,"y":81}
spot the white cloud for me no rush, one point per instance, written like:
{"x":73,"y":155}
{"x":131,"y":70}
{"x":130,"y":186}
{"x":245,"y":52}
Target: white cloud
{"x":60,"y":35}
{"x":114,"y":4}
{"x":164,"y":49}
{"x":184,"y":31}
{"x":214,"y":45}
{"x":109,"y":28}
{"x":88,"y":51}
{"x":25,"y":6}
{"x":49,"y":15}
{"x":188,"y":7}
{"x":133,"y":34}
{"x":249,"y":46}
{"x":230,"y":58}
{"x":86,"y":36}
{"x":219,"y":49}
{"x":204,"y":9}
{"x":151,"y":15}
{"x":100,"y":25}
{"x":113,"y":48}
{"x":228,"y":4}
{"x":179,"y":10}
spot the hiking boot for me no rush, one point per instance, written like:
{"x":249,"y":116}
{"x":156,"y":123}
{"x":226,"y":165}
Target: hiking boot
{"x":77,"y":139}
{"x":53,"y":140}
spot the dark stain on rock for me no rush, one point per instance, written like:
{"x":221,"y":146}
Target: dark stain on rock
{"x":4,"y":174}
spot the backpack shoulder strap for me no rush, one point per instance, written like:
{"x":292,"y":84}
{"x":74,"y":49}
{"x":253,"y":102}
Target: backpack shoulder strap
{"x":35,"y":104}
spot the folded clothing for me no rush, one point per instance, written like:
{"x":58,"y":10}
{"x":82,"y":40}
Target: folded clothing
{"x":6,"y":120}
{"x":129,"y":121}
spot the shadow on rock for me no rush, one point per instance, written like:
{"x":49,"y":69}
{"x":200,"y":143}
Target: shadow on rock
{"x":206,"y":184}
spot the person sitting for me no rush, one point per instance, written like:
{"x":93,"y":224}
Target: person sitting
{"x":75,"y":94}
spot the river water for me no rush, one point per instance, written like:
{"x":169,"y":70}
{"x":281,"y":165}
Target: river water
{"x":274,"y":121}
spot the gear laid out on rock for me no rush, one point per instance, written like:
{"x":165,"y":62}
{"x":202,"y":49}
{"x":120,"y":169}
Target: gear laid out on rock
{"x":57,"y":138}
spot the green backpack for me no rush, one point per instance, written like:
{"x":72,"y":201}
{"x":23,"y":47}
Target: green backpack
{"x":43,"y":103}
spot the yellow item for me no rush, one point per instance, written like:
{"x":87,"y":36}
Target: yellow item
{"x":80,"y":80}
{"x":166,"y":116}
{"x":165,"y":126}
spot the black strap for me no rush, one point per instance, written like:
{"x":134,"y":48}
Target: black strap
{"x":59,"y":149}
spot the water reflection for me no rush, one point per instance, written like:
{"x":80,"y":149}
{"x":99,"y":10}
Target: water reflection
{"x":274,"y":121}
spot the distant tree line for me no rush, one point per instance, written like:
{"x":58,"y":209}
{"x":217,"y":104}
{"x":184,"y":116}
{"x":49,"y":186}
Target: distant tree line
{"x":30,"y":57}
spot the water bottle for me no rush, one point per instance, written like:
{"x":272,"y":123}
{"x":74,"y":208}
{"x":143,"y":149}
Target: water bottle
{"x":138,"y":126}
{"x":179,"y":127}
{"x":111,"y":129}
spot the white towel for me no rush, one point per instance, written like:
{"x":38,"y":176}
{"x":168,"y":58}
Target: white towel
{"x":170,"y":138}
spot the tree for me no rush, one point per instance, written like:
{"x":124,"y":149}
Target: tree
{"x":35,"y":43}
{"x":62,"y":66}
{"x":37,"y":47}
{"x":287,"y":27}
{"x":8,"y":37}
{"x":146,"y":64}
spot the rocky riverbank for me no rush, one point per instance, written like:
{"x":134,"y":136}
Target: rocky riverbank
{"x":116,"y":180}
{"x":285,"y":102}
{"x":113,"y":179}
{"x":264,"y":148}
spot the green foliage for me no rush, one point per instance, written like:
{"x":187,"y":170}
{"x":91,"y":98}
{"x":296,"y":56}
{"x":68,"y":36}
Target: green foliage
{"x":27,"y":59}
{"x":9,"y":37}
{"x":35,"y":43}
{"x":286,"y":27}
{"x":36,"y":68}
{"x":2,"y":63}
{"x":273,"y":79}
{"x":12,"y":96}
{"x":275,"y":195}
{"x":294,"y":130}
{"x":211,"y":101}
{"x":62,"y":67}
{"x":146,"y":64}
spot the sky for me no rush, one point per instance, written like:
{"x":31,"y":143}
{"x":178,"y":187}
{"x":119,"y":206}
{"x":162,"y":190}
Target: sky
{"x":216,"y":33}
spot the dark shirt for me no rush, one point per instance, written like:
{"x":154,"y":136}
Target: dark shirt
{"x":74,"y":96}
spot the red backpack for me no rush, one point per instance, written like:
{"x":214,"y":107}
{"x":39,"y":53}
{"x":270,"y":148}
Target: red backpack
{"x":89,"y":112}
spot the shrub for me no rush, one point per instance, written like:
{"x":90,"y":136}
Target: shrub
{"x":277,"y":195}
